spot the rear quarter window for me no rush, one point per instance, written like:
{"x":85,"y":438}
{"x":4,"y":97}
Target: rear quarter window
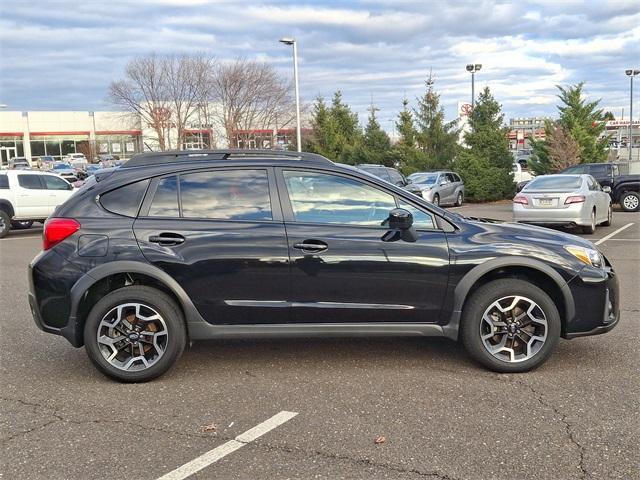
{"x":4,"y":182}
{"x":125,"y":200}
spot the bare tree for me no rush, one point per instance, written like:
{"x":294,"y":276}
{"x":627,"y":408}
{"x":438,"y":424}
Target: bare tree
{"x":251,"y":96}
{"x":164,"y":92}
{"x":563,"y":149}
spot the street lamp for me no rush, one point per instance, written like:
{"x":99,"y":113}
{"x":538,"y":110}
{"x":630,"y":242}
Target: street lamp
{"x":292,"y":41}
{"x":631,"y":73}
{"x":472,"y":69}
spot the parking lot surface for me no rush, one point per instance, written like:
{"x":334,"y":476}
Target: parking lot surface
{"x":441,"y":416}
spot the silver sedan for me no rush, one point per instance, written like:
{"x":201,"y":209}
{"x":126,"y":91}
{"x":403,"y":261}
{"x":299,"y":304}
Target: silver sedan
{"x":575,"y":200}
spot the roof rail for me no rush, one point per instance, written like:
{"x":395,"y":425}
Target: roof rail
{"x":176,"y":156}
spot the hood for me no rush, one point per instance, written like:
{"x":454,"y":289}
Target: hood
{"x":531,"y":235}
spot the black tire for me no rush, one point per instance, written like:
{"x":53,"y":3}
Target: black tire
{"x":436,"y":200}
{"x":630,"y":201}
{"x":482,"y":299}
{"x":591,"y":228}
{"x":158,"y":301}
{"x":21,"y":224}
{"x":609,"y":220}
{"x":5,"y":223}
{"x":459,"y":199}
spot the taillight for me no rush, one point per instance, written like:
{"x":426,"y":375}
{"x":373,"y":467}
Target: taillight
{"x":574,"y":199}
{"x":521,"y":199}
{"x":56,"y":230}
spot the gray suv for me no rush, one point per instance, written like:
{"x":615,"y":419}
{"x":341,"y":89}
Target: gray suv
{"x":439,"y":188}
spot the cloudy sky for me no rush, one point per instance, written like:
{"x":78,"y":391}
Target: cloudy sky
{"x":62,"y":55}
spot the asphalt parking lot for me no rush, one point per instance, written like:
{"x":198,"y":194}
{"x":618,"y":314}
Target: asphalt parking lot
{"x":441,"y":416}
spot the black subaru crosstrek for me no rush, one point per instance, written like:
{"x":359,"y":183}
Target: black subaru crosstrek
{"x":179,"y":246}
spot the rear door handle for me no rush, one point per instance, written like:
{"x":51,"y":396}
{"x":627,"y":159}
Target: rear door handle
{"x":311,"y":246}
{"x":167,"y":239}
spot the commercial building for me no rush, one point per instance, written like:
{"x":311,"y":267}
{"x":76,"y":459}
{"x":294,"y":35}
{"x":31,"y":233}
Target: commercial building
{"x":521,"y":130}
{"x":34,"y":134}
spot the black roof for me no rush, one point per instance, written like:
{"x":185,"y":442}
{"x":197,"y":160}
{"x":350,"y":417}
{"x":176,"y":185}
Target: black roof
{"x":162,"y":158}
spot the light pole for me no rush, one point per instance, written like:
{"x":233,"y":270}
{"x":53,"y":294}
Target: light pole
{"x":292,"y":41}
{"x":631,"y":73}
{"x":473,"y":68}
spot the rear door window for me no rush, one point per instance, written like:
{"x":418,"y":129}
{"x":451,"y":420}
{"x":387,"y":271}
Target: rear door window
{"x":4,"y":182}
{"x":31,"y":182}
{"x":226,"y":195}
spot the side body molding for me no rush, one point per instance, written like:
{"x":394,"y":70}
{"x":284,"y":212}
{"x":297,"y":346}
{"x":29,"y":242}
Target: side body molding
{"x":462,"y":289}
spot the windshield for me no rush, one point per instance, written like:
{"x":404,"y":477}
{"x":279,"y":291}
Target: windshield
{"x":426,"y":178}
{"x":555,"y":182}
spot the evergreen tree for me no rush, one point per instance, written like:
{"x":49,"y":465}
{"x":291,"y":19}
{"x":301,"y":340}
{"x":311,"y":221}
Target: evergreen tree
{"x":435,"y":137}
{"x":405,"y":152}
{"x":405,"y":127}
{"x":336,"y":131}
{"x":583,"y":121}
{"x":375,"y":146}
{"x":486,"y":163}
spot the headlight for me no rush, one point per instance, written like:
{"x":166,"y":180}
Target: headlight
{"x":589,"y":256}
{"x":424,"y":188}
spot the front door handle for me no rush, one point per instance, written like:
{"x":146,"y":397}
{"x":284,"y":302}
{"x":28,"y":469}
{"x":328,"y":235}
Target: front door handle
{"x":311,"y":246}
{"x":167,"y":239}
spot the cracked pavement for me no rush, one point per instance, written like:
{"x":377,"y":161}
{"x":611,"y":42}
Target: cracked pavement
{"x":577,"y":417}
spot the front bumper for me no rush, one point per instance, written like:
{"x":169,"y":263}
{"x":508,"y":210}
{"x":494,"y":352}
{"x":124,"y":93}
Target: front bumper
{"x":596,"y":295}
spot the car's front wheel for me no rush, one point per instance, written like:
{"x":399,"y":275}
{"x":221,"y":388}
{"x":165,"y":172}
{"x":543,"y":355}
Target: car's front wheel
{"x":510,"y":325}
{"x":135,"y":334}
{"x":436,"y":200}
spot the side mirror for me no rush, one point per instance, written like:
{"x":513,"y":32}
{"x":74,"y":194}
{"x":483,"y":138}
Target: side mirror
{"x":443,"y":182}
{"x":400,"y":219}
{"x":400,"y":223}
{"x":606,"y":189}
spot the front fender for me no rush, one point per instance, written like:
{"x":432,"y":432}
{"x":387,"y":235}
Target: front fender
{"x":461,"y":291}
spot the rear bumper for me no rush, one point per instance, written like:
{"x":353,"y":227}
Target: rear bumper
{"x":572,"y":215}
{"x":50,"y":281}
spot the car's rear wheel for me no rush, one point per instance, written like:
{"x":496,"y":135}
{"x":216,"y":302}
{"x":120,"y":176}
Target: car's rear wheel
{"x":135,"y":334}
{"x":630,"y":201}
{"x":5,"y":223}
{"x":510,"y":325}
{"x":459,"y":199}
{"x":609,"y":219}
{"x":591,"y":228}
{"x":436,"y":199}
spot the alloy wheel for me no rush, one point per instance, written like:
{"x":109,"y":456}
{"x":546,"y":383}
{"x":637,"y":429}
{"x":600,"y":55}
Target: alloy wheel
{"x":514,"y":329}
{"x":630,"y":202}
{"x":132,"y":337}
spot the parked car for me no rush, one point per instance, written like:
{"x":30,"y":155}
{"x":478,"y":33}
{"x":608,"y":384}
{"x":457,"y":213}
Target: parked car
{"x":388,"y":174}
{"x":27,"y":196}
{"x":574,"y":200}
{"x":92,"y":169}
{"x":174,"y":247}
{"x":76,"y":160}
{"x":45,"y":162}
{"x":520,"y":175}
{"x":625,"y":187}
{"x":19,"y":163}
{"x":66,"y":171}
{"x":440,"y":188}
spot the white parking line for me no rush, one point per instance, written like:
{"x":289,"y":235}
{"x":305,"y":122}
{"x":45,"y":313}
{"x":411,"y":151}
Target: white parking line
{"x":604,"y":239}
{"x":231,"y":446}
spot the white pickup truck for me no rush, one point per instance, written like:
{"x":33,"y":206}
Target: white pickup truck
{"x":28,"y":196}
